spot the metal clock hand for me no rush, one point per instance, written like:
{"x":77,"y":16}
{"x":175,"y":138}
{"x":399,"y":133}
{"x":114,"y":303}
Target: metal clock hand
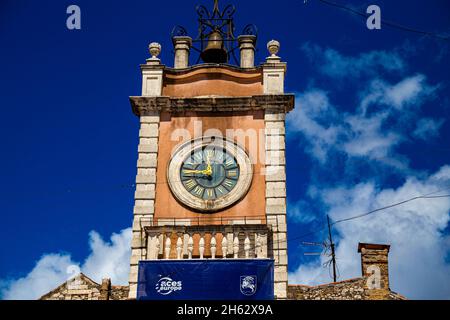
{"x":208,"y":170}
{"x":205,"y":172}
{"x":193,"y":171}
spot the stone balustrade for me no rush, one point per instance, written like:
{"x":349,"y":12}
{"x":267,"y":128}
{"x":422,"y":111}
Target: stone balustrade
{"x":246,"y":241}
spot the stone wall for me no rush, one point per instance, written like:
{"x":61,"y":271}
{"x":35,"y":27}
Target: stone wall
{"x":353,"y":289}
{"x":346,"y":290}
{"x":119,"y":293}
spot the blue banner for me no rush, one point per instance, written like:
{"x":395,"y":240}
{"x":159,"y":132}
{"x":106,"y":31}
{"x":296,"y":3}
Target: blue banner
{"x":224,"y":279}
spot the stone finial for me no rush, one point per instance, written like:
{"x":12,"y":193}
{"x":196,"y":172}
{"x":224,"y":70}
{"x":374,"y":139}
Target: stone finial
{"x":274,"y":47}
{"x":247,"y":48}
{"x":274,"y":70}
{"x":182,"y":46}
{"x":155,"y":49}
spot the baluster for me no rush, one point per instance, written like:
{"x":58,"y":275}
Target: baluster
{"x":167,"y":249}
{"x":263,"y":245}
{"x":190,"y":246}
{"x":179,"y":247}
{"x":236,"y":246}
{"x":224,"y":246}
{"x":213,"y":246}
{"x":247,"y":246}
{"x":157,"y":247}
{"x":257,"y":246}
{"x":201,"y":245}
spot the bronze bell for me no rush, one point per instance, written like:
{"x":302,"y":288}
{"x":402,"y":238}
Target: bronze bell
{"x":215,"y":50}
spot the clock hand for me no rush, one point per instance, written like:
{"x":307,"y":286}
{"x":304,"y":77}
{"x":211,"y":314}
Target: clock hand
{"x":207,"y":172}
{"x":193,"y":171}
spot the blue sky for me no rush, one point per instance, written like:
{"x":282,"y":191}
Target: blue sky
{"x":370,"y":129}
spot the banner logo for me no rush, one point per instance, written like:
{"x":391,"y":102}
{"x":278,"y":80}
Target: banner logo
{"x":248,"y":285}
{"x":166,"y":286}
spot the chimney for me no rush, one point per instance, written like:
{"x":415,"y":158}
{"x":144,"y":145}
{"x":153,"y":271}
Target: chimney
{"x":374,"y":264}
{"x":247,"y":47}
{"x":182,"y":46}
{"x":105,"y":289}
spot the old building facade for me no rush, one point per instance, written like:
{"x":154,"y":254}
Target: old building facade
{"x":82,"y":287}
{"x":211,"y":168}
{"x":227,"y":200}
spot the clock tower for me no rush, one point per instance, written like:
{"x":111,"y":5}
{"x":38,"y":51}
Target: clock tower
{"x":211,"y":179}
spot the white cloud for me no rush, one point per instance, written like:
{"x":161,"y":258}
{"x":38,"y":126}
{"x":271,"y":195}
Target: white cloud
{"x":325,"y":130}
{"x":49,"y":272}
{"x":428,"y":128}
{"x":407,"y":91}
{"x":372,"y":128}
{"x":417,"y":260}
{"x":299,"y":212}
{"x":362,"y":139}
{"x":334,"y":64}
{"x":314,"y":119}
{"x":106,"y":260}
{"x":111,"y":260}
{"x":411,"y":91}
{"x":367,"y":138}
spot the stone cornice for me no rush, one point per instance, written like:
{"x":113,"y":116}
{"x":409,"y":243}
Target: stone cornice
{"x":154,"y":64}
{"x":282,"y":103}
{"x":213,"y":66}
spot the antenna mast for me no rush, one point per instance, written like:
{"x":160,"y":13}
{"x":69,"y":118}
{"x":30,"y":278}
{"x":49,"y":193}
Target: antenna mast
{"x":333,"y":255}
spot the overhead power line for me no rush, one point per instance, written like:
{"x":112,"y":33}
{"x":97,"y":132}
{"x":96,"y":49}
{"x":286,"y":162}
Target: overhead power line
{"x":331,"y":263}
{"x":426,"y":196}
{"x":385,"y":22}
{"x":325,"y":227}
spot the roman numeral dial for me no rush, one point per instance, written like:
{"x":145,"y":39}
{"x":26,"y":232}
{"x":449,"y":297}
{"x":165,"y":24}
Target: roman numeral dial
{"x":209,"y":173}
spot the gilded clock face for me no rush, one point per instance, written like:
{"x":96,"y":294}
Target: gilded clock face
{"x":209,"y":174}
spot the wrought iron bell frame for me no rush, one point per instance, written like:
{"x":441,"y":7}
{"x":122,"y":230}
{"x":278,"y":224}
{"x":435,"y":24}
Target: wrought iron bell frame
{"x":221,"y":21}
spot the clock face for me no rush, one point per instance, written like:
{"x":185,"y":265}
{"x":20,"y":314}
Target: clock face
{"x":209,"y":174}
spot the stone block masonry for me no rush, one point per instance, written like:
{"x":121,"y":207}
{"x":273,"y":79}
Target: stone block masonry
{"x":144,"y":205}
{"x":276,"y":197}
